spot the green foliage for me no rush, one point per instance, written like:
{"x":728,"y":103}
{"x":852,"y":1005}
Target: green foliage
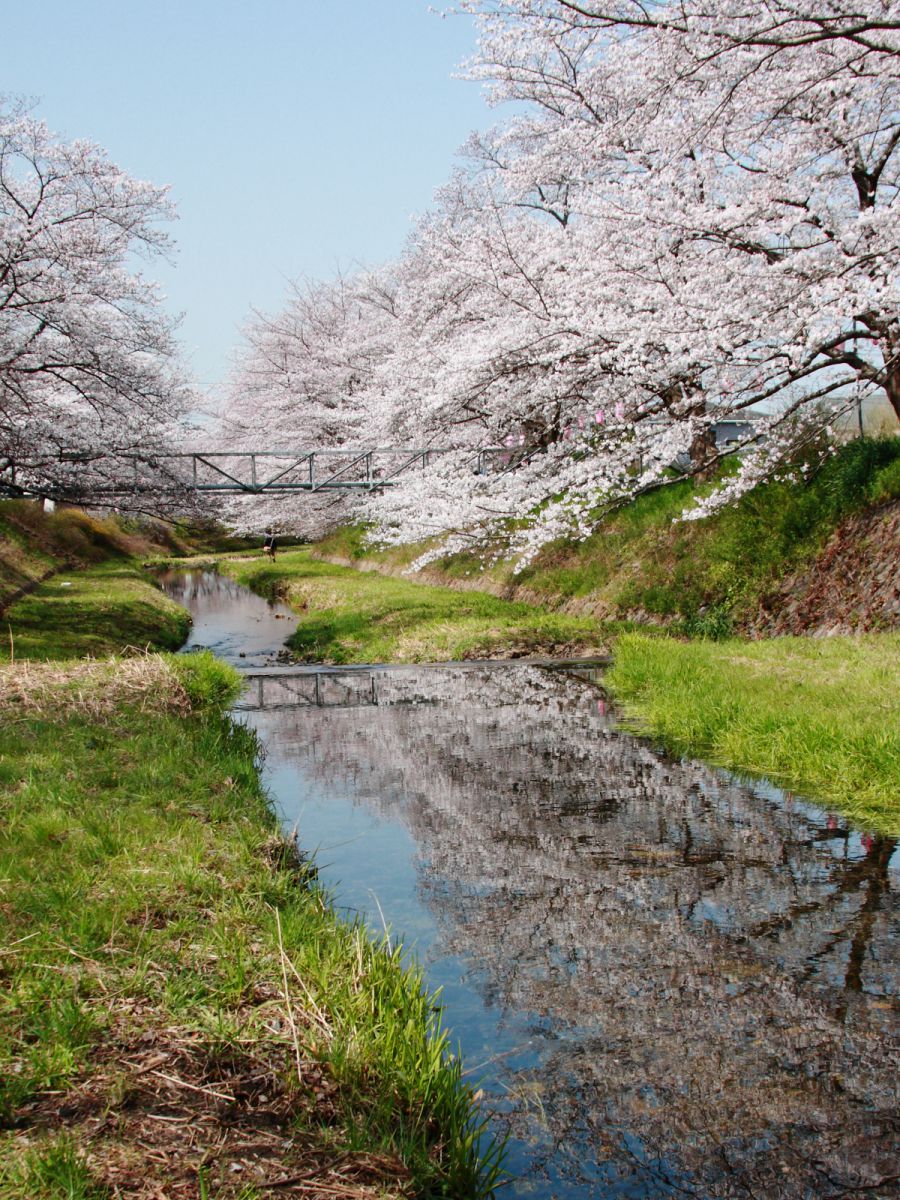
{"x":713,"y":623}
{"x":355,"y":616}
{"x":208,"y":681}
{"x":885,"y":484}
{"x":820,"y":716}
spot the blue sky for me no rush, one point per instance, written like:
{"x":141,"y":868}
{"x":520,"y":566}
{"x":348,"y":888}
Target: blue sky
{"x":298,"y":138}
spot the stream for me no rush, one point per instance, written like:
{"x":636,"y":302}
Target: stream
{"x":666,"y":981}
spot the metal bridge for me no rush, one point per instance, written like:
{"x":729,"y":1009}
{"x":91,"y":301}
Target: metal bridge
{"x":258,"y":472}
{"x":383,"y":684}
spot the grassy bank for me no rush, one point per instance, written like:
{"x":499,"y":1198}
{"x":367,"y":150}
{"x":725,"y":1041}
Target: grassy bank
{"x":702,"y":578}
{"x":179,"y":1007}
{"x":352,"y":616}
{"x":98,"y":610}
{"x":820,"y":716}
{"x":70,"y":585}
{"x":35,"y":543}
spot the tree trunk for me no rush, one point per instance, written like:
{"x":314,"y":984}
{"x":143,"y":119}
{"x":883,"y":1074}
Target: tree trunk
{"x":702,"y":451}
{"x":892,"y":382}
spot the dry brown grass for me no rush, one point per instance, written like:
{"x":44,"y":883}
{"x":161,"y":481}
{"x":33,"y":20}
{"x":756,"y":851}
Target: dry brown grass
{"x":155,"y":1113}
{"x":91,"y":688}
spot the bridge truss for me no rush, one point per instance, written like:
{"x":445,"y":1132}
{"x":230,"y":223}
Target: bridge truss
{"x":258,"y":472}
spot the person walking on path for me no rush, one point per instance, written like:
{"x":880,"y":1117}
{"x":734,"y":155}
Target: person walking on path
{"x":269,"y":544}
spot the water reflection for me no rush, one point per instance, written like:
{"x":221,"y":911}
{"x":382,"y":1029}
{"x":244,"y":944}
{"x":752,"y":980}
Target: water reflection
{"x":695,"y":982}
{"x":229,"y":619}
{"x":669,"y":983}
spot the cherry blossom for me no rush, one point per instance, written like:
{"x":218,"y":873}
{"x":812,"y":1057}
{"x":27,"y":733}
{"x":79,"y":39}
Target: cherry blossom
{"x":90,"y":383}
{"x":689,"y":214}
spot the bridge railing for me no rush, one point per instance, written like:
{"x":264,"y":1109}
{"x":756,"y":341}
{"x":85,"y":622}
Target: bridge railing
{"x":257,"y":472}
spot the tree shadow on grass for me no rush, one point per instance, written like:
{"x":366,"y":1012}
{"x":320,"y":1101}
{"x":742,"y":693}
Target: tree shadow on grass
{"x":96,"y":614}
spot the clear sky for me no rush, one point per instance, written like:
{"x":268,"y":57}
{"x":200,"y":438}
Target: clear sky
{"x":298,"y":138}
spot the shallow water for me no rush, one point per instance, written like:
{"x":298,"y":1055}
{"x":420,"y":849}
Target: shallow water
{"x":667,"y":982}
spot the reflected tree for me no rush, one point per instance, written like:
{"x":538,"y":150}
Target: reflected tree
{"x":706,"y":970}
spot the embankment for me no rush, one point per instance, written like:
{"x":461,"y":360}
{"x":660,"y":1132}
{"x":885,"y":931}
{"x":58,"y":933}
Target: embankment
{"x":851,"y":586}
{"x":814,"y":554}
{"x":180,"y":1008}
{"x":35,"y":544}
{"x":70,"y":585}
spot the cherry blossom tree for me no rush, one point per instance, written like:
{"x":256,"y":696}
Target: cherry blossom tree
{"x":90,"y":385}
{"x":690,"y":214}
{"x":302,"y":372}
{"x":307,"y":378}
{"x":739,"y":170}
{"x":699,"y":208}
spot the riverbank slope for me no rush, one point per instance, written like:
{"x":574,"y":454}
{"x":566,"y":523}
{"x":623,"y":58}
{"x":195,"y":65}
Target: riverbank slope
{"x":71,"y":585}
{"x":180,"y":1008}
{"x":816,"y":553}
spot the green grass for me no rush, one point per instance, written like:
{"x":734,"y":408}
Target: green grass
{"x":55,"y":1170}
{"x":708,"y":576}
{"x":703,"y":578}
{"x":97,"y":611}
{"x":818,"y":716}
{"x":627,"y":541}
{"x":33,"y":542}
{"x":353,"y":616}
{"x":155,"y":922}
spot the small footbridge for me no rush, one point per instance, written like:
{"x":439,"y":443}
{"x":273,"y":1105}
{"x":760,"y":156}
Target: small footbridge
{"x":258,"y":471}
{"x":253,"y":472}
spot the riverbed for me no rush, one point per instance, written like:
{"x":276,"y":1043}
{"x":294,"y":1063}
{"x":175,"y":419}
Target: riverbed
{"x":666,"y":981}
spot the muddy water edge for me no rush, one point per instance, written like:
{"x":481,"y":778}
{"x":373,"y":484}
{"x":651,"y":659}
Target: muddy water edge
{"x":666,"y":982}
